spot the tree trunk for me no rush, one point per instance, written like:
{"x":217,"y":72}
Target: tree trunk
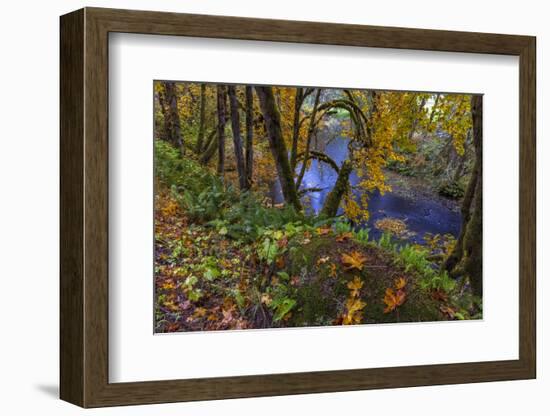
{"x":277,"y":146}
{"x":467,"y":254}
{"x":174,"y":129}
{"x":434,"y":108}
{"x":414,"y":124}
{"x":332,"y":203}
{"x":200,"y":135}
{"x":220,"y":95}
{"x":165,"y":115}
{"x":210,"y":147}
{"x":298,"y":99}
{"x":249,"y":156}
{"x":237,"y":141}
{"x":311,"y":129}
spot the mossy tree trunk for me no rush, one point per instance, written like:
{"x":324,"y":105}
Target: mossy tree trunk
{"x":466,"y":258}
{"x":237,"y":140}
{"x":249,"y":115}
{"x":173,"y":119}
{"x":210,"y":147}
{"x":310,"y":130}
{"x":272,"y":120}
{"x":221,"y":101}
{"x":341,"y":187}
{"x":298,"y":99}
{"x":202,"y":117}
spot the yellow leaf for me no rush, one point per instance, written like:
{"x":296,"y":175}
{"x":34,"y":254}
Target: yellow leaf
{"x":393,"y":299}
{"x":400,"y":283}
{"x":354,"y":313}
{"x":354,"y":260}
{"x":344,"y":236}
{"x":355,"y":286}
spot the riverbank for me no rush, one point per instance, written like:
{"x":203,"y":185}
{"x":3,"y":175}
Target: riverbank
{"x":224,"y":260}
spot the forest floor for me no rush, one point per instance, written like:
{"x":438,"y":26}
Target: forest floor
{"x":206,"y":280}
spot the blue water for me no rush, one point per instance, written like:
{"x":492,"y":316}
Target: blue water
{"x":421,"y":215}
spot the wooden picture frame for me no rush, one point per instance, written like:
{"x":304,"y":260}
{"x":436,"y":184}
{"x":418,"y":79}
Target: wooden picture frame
{"x":84,"y":207}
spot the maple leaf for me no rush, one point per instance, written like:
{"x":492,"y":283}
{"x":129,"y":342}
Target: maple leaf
{"x":168,"y":285}
{"x":199,"y":312}
{"x":400,"y":283}
{"x":355,"y":286}
{"x":354,"y":313}
{"x":393,"y":299}
{"x":447,"y":310}
{"x":227,"y":315}
{"x":172,"y":327}
{"x":354,"y":260}
{"x":324,"y":230}
{"x":439,"y":295}
{"x":344,"y":236}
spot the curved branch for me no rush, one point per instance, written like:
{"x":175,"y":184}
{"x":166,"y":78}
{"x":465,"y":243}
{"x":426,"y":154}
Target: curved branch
{"x":304,"y":191}
{"x":322,"y":157}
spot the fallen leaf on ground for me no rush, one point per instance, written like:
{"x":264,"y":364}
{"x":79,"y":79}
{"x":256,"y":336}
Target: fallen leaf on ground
{"x":400,"y":283}
{"x":344,"y":236}
{"x":393,"y":299}
{"x":353,"y":260}
{"x":355,"y":286}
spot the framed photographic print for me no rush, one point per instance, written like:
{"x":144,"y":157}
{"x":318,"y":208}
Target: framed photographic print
{"x":241,"y":198}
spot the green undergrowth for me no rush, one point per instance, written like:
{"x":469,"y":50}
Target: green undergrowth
{"x":226,"y":260}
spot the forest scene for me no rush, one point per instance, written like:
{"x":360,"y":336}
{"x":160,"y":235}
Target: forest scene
{"x":280,"y":207}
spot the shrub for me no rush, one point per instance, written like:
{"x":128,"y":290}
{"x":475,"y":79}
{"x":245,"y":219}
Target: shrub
{"x":452,"y":190}
{"x":199,"y":192}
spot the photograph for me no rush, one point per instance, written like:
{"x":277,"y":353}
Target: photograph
{"x":306,"y":206}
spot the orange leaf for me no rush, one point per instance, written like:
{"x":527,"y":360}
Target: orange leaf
{"x":439,"y":295}
{"x":450,"y":312}
{"x":400,"y":283}
{"x":354,"y":313}
{"x":324,"y":230}
{"x":344,"y":236}
{"x":355,"y":286}
{"x":393,"y":299}
{"x":354,"y":260}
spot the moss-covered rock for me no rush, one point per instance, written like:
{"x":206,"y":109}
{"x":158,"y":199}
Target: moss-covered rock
{"x":323,"y":279}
